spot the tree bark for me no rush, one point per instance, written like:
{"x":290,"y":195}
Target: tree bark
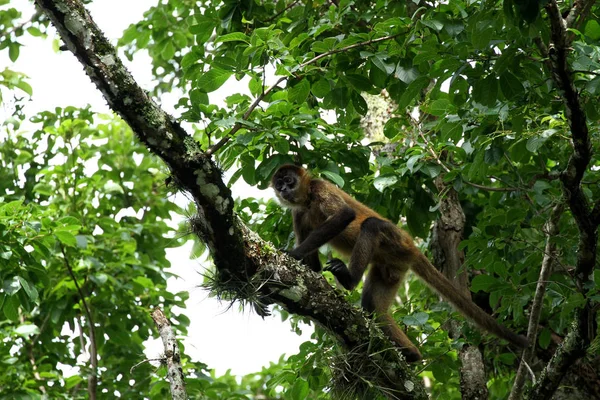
{"x":447,"y":235}
{"x":172,"y":356}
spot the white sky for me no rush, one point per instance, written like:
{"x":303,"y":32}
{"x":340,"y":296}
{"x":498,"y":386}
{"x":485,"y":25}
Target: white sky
{"x":223,"y":339}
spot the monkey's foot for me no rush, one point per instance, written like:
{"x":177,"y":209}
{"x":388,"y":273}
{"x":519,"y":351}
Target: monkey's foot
{"x":338,"y":268}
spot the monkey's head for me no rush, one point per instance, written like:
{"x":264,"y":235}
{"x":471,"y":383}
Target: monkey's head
{"x":291,"y":184}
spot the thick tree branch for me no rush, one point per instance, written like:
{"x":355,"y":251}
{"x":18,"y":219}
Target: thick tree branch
{"x":240,"y":256}
{"x":578,"y":337}
{"x":538,"y":300}
{"x":173,"y":358}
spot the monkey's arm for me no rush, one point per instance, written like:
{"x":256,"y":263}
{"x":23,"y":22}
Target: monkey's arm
{"x":301,"y":231}
{"x":332,"y":227}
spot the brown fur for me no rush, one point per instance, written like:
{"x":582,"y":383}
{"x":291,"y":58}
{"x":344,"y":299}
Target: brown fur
{"x":325,"y":214}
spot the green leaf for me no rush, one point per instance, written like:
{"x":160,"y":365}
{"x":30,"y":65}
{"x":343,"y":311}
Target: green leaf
{"x":73,"y":381}
{"x":483,"y":282}
{"x":406,"y":74}
{"x":300,"y":389}
{"x":24,"y":86}
{"x":203,"y":30}
{"x":335,"y":178}
{"x":27,"y":330}
{"x":442,"y":373}
{"x":11,"y":286}
{"x":535,"y":142}
{"x":380,"y":62}
{"x":320,"y":88}
{"x":485,"y":91}
{"x":11,"y":308}
{"x":439,"y":107}
{"x":416,"y":319}
{"x":212,"y":80}
{"x":592,"y":29}
{"x":412,"y":91}
{"x":34,"y":31}
{"x":66,"y":238}
{"x":233,"y":37}
{"x":299,"y":92}
{"x":359,"y":103}
{"x":29,"y":289}
{"x":168,"y":51}
{"x":359,"y":82}
{"x":393,"y":127}
{"x":113,"y":187}
{"x":383,"y":182}
{"x":433,"y":24}
{"x":510,"y":85}
{"x":544,"y":338}
{"x":13,"y":51}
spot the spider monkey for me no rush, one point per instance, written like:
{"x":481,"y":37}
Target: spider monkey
{"x":323,"y":213}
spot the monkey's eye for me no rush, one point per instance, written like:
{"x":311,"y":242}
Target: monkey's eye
{"x":288,"y":180}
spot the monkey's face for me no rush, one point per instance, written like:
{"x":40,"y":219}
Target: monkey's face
{"x":287,"y":184}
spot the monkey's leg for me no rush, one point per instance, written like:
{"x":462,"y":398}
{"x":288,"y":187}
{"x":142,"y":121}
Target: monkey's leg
{"x":362,"y":254}
{"x":379,"y":292}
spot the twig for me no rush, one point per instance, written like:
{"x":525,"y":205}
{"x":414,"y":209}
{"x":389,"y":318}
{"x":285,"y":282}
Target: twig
{"x":292,"y":4}
{"x":22,"y":25}
{"x":491,"y":188}
{"x":162,"y":360}
{"x":579,"y":13}
{"x":538,"y":300}
{"x":350,"y":47}
{"x":246,"y":115}
{"x":93,"y":378}
{"x":173,"y":358}
{"x":475,"y":185}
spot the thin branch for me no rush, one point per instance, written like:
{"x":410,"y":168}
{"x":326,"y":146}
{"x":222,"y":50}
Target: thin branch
{"x":292,"y":4}
{"x":579,"y":13}
{"x":246,"y":115}
{"x":162,"y":360}
{"x":538,"y":300}
{"x":491,"y":188}
{"x":350,"y":47}
{"x":173,"y":358}
{"x":22,"y":25}
{"x":93,"y":378}
{"x":475,"y":185}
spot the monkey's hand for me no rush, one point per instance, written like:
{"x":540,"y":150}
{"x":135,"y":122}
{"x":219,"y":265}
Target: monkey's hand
{"x":261,"y":309}
{"x":291,"y":254}
{"x":338,"y":268}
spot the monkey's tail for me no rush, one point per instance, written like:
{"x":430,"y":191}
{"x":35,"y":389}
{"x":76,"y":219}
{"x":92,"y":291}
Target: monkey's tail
{"x":426,"y":271}
{"x":390,"y":328}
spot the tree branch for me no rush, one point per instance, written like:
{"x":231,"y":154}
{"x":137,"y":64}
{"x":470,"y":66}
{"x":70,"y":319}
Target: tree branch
{"x":538,"y":300}
{"x":241,"y":257}
{"x":173,"y":358}
{"x":578,"y":338}
{"x":93,"y":378}
{"x":579,"y":13}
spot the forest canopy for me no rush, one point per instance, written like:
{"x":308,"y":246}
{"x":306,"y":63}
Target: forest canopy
{"x":473,"y":125}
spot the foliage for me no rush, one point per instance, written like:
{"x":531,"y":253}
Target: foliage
{"x":474,"y":103}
